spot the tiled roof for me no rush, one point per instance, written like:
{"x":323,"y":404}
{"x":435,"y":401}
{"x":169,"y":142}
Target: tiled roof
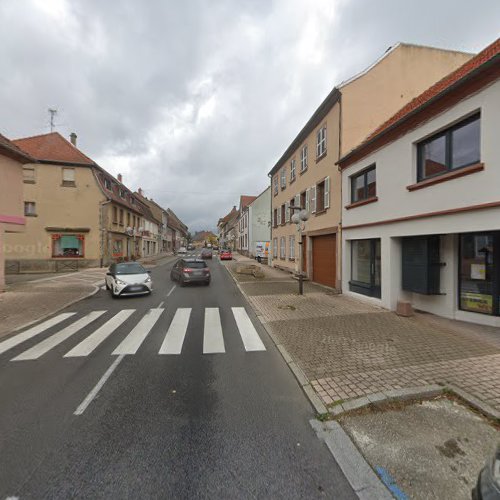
{"x":234,"y":211}
{"x":246,"y":200}
{"x":435,"y":91}
{"x":8,"y":148}
{"x":52,"y":147}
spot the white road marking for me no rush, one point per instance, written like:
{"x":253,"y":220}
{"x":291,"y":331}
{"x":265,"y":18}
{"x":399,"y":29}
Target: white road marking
{"x":248,"y":333}
{"x":46,"y":345}
{"x":172,"y":344}
{"x":161,"y":304}
{"x":136,"y":337}
{"x":103,"y":287}
{"x":213,"y":340}
{"x":93,"y":393}
{"x":28,"y":334}
{"x":87,"y":345}
{"x":171,"y":290}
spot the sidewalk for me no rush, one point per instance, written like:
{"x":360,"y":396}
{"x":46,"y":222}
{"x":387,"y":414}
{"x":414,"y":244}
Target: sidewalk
{"x":350,"y":349}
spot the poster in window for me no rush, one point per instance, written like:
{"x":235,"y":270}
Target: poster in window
{"x":477,"y":302}
{"x":477,"y":272}
{"x":117,"y":248}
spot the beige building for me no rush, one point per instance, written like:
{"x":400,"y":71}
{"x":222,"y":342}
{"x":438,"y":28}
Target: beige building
{"x":11,"y":195}
{"x":77,"y":214}
{"x":306,"y":175}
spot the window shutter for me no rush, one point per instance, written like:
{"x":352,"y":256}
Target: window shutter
{"x":307,"y":198}
{"x":327,"y":193}
{"x":297,"y":200}
{"x":287,"y":212}
{"x":313,"y":199}
{"x":279,"y":216}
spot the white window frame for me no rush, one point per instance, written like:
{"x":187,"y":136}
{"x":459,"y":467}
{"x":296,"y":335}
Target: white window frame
{"x":275,"y":248}
{"x":68,"y":176}
{"x":297,"y":201}
{"x":292,"y":170}
{"x":326,"y":202}
{"x":283,"y":178}
{"x":279,"y":215}
{"x":282,"y":248}
{"x":30,"y":178}
{"x":303,"y":158}
{"x":275,"y":181}
{"x":287,"y":211}
{"x":312,"y":199}
{"x":321,"y":141}
{"x":307,"y":199}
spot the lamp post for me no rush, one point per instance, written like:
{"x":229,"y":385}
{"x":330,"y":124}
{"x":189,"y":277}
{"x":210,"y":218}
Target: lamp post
{"x":299,"y":219}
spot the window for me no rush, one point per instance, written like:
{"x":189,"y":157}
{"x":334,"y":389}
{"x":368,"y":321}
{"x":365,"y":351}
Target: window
{"x":30,"y":208}
{"x":121,"y":217}
{"x":312,"y":199}
{"x":115,"y":215}
{"x":283,"y":214}
{"x":364,"y":185}
{"x":279,"y":216}
{"x":275,"y":217}
{"x":107,"y":184}
{"x":456,"y":147}
{"x":275,"y":248}
{"x":68,"y":245}
{"x":122,"y":193}
{"x":283,"y":178}
{"x":282,"y":248}
{"x":321,"y":142}
{"x":275,"y":182}
{"x":29,"y":175}
{"x":128,"y":219}
{"x":365,"y":267}
{"x":68,"y":177}
{"x":292,"y":170}
{"x":291,"y":240}
{"x":303,"y":199}
{"x":303,"y":158}
{"x":323,"y":195}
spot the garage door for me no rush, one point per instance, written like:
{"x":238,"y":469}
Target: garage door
{"x":324,"y":260}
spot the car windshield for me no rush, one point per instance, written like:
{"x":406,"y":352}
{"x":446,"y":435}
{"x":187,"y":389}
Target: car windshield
{"x":130,"y":269}
{"x":196,"y":265}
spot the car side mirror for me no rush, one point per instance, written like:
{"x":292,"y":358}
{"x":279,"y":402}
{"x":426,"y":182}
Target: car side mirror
{"x":109,"y":274}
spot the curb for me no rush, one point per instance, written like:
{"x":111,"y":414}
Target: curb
{"x":55,"y":311}
{"x":300,"y":376}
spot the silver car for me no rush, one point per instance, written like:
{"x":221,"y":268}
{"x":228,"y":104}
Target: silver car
{"x":128,"y":278}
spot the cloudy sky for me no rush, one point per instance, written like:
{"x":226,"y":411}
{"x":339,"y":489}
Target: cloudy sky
{"x":195,"y":100}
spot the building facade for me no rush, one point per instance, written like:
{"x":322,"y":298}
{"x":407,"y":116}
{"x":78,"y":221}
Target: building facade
{"x":306,"y":175}
{"x":259,"y":226}
{"x":421,"y":207}
{"x":12,"y":218}
{"x":244,"y":223}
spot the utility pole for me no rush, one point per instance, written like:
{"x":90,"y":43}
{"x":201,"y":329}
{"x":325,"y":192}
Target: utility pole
{"x":52,"y":112}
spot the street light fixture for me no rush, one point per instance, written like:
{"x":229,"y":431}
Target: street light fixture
{"x":299,"y":219}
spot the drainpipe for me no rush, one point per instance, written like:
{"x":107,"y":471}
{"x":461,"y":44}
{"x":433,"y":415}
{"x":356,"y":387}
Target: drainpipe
{"x":103,"y":230}
{"x":270,"y":256}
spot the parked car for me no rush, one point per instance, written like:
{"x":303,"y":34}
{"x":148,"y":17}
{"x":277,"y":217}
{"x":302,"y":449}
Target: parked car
{"x":488,"y":483}
{"x":225,"y":255}
{"x":128,"y":278}
{"x":206,"y":253}
{"x":182,"y":250}
{"x":190,"y":271}
{"x":190,"y":247}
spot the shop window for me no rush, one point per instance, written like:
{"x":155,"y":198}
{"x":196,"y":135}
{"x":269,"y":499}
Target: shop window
{"x":421,"y":264}
{"x":479,"y":272}
{"x":68,"y":245}
{"x":365,"y":267}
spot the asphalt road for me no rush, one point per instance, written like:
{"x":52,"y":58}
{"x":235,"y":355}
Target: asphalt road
{"x":231,"y":424}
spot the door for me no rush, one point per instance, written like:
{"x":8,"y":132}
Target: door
{"x":324,"y":259}
{"x":304,"y":254}
{"x":365,"y":267}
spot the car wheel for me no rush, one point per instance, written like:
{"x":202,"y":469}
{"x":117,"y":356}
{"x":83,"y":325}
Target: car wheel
{"x":207,"y":283}
{"x":113,"y":296}
{"x":182,"y":282}
{"x":106,"y":284}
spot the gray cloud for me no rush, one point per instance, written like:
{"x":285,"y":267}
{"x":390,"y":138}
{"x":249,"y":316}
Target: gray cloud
{"x":195,"y":101}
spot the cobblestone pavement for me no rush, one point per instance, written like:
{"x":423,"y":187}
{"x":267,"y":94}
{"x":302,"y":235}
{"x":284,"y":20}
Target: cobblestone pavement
{"x":348,"y":348}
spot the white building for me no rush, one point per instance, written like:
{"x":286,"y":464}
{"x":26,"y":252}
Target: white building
{"x":421,"y":200}
{"x":259,"y":221}
{"x":243,"y":226}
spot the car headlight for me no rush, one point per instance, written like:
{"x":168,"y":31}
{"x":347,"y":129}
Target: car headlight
{"x":120,"y":282}
{"x":495,"y":467}
{"x":148,"y":280}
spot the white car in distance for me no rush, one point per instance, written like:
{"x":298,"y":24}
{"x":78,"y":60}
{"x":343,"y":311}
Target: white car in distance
{"x":128,"y":278}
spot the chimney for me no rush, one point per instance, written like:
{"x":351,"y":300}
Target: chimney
{"x":119,"y":177}
{"x":140,"y":191}
{"x":72,"y":138}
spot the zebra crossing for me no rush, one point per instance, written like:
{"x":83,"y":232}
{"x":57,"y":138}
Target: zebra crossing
{"x":173,"y":337}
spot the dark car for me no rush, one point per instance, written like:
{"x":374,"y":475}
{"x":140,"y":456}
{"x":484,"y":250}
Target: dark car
{"x":225,"y":255}
{"x":190,"y":271}
{"x":488,"y":483}
{"x":206,"y":253}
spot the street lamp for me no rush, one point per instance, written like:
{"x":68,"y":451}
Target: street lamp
{"x":299,"y":219}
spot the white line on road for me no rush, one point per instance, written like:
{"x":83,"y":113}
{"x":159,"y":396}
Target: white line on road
{"x":172,"y":344}
{"x":28,"y":334}
{"x":248,"y":332}
{"x":136,"y":337}
{"x":161,"y":304}
{"x":213,"y":340}
{"x":46,"y":345}
{"x":93,"y":393}
{"x":87,"y":345}
{"x":171,"y":290}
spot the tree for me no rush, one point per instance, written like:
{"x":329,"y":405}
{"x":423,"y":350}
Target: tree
{"x":189,"y":237}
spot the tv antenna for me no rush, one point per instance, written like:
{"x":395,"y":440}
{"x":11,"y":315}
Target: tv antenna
{"x":53,"y":113}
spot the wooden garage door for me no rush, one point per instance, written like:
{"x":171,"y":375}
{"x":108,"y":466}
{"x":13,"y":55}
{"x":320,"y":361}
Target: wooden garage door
{"x":324,"y":262}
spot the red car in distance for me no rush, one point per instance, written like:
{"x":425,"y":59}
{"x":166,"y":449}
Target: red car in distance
{"x":225,"y":255}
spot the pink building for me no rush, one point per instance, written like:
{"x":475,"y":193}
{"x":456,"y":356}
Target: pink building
{"x":11,"y":195}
